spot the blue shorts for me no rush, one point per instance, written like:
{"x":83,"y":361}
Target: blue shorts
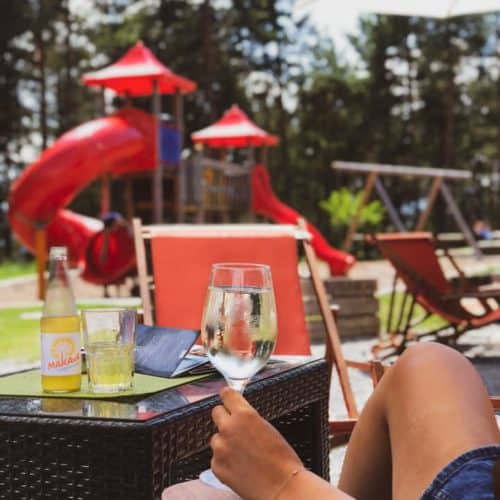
{"x":468,"y":477}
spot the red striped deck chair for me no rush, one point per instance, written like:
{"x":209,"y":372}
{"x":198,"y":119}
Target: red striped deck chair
{"x":416,"y":264}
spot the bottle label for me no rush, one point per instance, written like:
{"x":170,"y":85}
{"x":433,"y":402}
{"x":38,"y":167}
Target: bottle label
{"x":61,"y":354}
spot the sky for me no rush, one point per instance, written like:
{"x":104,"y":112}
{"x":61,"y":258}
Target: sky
{"x":338,"y":17}
{"x":335,"y":18}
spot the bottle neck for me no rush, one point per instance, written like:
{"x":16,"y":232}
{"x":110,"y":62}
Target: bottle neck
{"x":58,"y":271}
{"x":59,"y":299}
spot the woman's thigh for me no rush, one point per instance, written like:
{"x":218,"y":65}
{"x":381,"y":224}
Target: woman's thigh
{"x":437,"y":409}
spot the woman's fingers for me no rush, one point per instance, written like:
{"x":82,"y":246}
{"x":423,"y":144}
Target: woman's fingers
{"x":219,"y":415}
{"x":233,"y":400}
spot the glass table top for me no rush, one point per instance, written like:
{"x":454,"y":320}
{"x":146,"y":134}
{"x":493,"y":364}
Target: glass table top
{"x":135,"y":409}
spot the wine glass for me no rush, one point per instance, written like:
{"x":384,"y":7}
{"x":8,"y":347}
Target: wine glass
{"x":239,"y":326}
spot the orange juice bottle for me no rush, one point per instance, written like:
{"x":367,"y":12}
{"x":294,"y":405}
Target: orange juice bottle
{"x":61,"y":364}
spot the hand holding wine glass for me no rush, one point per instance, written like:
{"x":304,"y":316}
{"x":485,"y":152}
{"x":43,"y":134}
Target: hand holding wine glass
{"x":239,"y":325}
{"x":247,"y":447}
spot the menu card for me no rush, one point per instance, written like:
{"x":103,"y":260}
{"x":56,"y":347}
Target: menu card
{"x":164,"y":352}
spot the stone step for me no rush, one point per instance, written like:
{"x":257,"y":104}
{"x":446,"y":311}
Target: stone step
{"x":358,"y":326}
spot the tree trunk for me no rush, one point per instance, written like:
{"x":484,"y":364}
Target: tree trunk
{"x":449,"y":119}
{"x":40,"y":59}
{"x":66,"y":119}
{"x":208,"y":48}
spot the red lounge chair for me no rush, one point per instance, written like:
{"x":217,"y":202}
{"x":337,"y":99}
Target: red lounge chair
{"x":181,"y":256}
{"x":413,"y":256}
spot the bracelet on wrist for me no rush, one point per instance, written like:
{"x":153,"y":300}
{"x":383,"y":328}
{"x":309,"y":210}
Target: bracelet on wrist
{"x":288,"y":479}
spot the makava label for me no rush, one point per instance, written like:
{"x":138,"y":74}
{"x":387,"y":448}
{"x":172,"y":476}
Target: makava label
{"x":61,"y":354}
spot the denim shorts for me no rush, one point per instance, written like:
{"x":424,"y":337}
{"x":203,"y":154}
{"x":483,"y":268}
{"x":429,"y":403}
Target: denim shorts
{"x":468,"y":477}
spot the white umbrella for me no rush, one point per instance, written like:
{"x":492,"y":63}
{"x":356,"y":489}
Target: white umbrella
{"x":433,"y":8}
{"x":425,"y":8}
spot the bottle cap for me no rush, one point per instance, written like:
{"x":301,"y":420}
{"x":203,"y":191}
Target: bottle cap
{"x":58,"y":252}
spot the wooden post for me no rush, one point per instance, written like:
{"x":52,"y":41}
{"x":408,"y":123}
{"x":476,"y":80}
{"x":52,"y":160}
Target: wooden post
{"x":103,"y":101}
{"x":346,"y":245}
{"x":459,"y":219}
{"x":129,"y":198}
{"x":158,"y":173}
{"x":127,"y":100}
{"x":41,"y":259}
{"x":105,"y":193}
{"x":251,"y":155}
{"x":199,"y":183}
{"x":264,"y":156}
{"x":393,"y":213}
{"x":431,"y":198}
{"x":142,"y":272}
{"x":377,"y":370}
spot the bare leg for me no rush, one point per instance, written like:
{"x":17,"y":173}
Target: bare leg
{"x":429,"y":408}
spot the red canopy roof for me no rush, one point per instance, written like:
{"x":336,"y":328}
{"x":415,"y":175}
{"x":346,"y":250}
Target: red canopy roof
{"x":234,"y":130}
{"x":135,"y":73}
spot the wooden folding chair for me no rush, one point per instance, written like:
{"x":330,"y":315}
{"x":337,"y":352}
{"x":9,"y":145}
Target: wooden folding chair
{"x":181,"y":256}
{"x":416,"y":264}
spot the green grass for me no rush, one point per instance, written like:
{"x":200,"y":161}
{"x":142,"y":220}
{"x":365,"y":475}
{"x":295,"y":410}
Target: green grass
{"x":14,"y":268}
{"x":20,"y":333}
{"x":19,"y":337}
{"x":431,"y":323}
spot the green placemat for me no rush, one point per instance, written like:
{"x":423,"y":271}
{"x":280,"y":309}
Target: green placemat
{"x":29,"y":384}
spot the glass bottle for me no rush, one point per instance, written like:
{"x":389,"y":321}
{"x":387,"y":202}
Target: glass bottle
{"x":60,"y":330}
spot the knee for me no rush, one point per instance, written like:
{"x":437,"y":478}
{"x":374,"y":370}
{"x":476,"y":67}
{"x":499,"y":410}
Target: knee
{"x":428,"y":351}
{"x":426,"y":357}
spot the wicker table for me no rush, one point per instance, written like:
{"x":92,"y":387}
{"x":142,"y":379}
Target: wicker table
{"x":56,"y":448}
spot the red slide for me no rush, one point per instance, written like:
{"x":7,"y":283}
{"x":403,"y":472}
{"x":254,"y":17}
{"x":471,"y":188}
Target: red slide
{"x":117,"y":144}
{"x":265,"y":202}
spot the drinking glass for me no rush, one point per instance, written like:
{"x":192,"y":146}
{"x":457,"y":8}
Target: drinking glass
{"x":109,"y":340}
{"x":239,"y":326}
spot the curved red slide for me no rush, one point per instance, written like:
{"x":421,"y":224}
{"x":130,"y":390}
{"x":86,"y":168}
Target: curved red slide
{"x":265,"y":202}
{"x":117,"y":144}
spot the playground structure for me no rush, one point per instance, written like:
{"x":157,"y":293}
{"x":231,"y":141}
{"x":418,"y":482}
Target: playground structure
{"x":132,"y":146}
{"x":438,"y":185}
{"x":115,"y":145}
{"x":236,"y":130}
{"x":139,"y":73}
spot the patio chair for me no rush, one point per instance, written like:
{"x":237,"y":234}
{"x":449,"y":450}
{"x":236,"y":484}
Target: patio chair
{"x":181,"y":256}
{"x":416,"y":264}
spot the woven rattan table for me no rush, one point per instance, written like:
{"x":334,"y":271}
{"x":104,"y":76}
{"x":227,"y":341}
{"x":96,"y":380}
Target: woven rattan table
{"x":56,"y":448}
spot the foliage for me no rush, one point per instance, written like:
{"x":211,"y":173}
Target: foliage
{"x":420,"y":92}
{"x":342,"y":205}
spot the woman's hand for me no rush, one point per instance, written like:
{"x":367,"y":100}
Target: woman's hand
{"x":249,"y":454}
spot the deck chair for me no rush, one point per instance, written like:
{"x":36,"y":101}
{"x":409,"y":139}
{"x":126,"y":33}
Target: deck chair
{"x":181,"y":256}
{"x":416,"y":265}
